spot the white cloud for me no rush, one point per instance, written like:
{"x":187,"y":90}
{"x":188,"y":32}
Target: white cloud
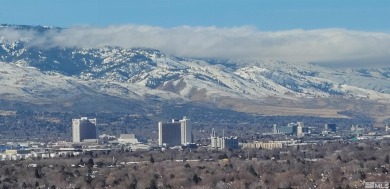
{"x":323,"y":45}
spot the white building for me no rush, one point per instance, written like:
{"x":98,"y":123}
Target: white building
{"x":83,"y":128}
{"x":223,"y":142}
{"x":174,"y":133}
{"x":128,"y":139}
{"x":186,"y":131}
{"x":300,"y":129}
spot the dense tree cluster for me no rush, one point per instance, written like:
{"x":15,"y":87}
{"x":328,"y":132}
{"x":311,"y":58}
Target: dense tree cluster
{"x":329,"y":165}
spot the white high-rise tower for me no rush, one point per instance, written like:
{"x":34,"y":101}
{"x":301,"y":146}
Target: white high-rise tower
{"x":300,"y":129}
{"x":83,"y":128}
{"x":174,"y":133}
{"x":186,"y":131}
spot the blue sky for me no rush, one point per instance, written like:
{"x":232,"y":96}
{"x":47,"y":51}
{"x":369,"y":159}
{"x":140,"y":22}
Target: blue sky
{"x":335,"y":31}
{"x":271,"y":15}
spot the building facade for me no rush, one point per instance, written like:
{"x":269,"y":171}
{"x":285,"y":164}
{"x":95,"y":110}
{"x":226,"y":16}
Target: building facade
{"x":330,"y":127}
{"x":300,"y":129}
{"x":169,"y":134}
{"x":223,"y":142}
{"x":186,"y":131}
{"x":128,"y":139}
{"x":175,"y":133}
{"x":263,"y":145}
{"x":83,"y":128}
{"x":297,"y":129}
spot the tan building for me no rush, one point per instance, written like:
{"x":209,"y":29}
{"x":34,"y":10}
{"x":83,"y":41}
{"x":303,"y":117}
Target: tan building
{"x":11,"y":152}
{"x":263,"y":145}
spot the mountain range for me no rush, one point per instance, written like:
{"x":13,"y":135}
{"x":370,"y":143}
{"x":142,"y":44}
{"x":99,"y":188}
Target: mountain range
{"x":55,"y":78}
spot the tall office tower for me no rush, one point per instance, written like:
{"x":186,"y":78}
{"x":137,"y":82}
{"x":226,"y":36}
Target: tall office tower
{"x":275,"y":129}
{"x":186,"y":131}
{"x":331,"y":127}
{"x":175,"y":133}
{"x":169,"y":134}
{"x":300,"y":129}
{"x":214,"y":140}
{"x":83,"y":128}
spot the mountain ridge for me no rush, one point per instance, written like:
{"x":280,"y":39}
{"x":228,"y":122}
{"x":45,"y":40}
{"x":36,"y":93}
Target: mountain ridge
{"x":141,"y":74}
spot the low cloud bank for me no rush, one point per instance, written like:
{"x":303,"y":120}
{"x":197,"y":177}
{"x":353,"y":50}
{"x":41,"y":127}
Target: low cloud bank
{"x":322,"y":45}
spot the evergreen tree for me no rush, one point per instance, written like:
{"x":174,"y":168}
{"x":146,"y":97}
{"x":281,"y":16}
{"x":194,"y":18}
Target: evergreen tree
{"x":196,"y":178}
{"x":252,"y":170}
{"x":151,"y":159}
{"x":153,"y":184}
{"x":37,"y":174}
{"x":90,"y":162}
{"x":24,"y":185}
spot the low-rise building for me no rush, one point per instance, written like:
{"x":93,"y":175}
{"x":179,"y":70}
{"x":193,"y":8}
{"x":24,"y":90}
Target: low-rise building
{"x":263,"y":145}
{"x":128,"y":139}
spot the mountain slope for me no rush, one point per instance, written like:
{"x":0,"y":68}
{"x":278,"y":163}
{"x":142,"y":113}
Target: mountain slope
{"x":130,"y":77}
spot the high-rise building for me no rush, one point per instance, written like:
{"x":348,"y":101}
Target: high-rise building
{"x":176,"y":133}
{"x":275,"y":130}
{"x":169,"y":134}
{"x":290,"y":129}
{"x":215,"y":141}
{"x":300,"y":129}
{"x":83,"y":128}
{"x":223,"y":142}
{"x":297,"y":129}
{"x":229,"y":142}
{"x":186,"y":131}
{"x":331,"y":127}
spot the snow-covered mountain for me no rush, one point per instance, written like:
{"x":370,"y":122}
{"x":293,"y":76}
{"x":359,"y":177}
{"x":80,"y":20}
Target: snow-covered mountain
{"x":38,"y":74}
